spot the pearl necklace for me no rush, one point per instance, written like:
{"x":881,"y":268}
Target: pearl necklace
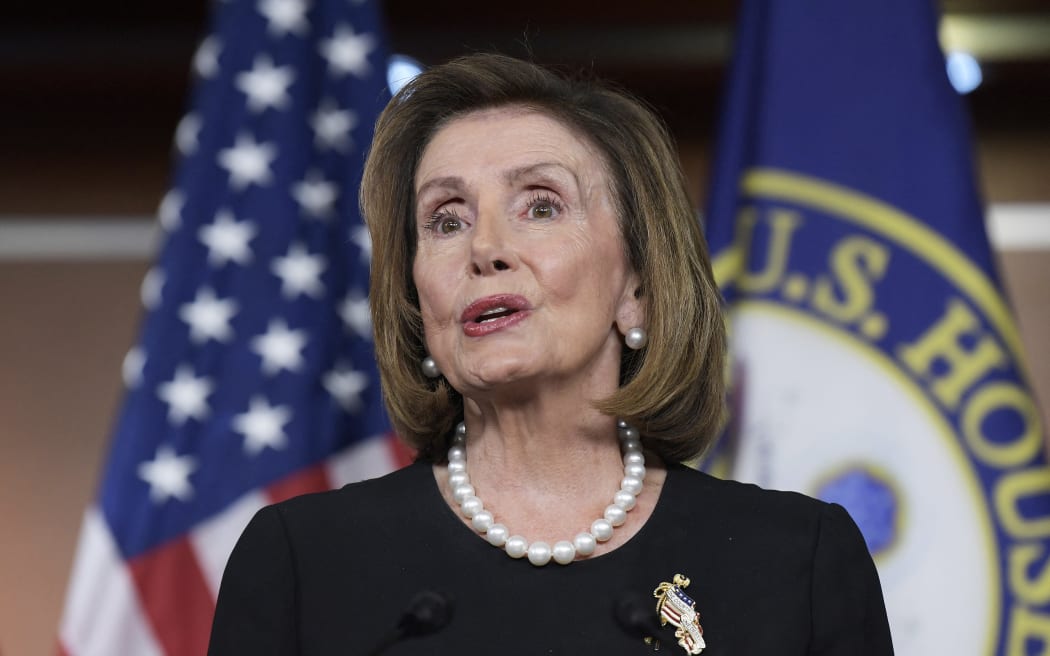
{"x":564,"y":551}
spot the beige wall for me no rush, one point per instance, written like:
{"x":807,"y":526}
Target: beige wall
{"x":64,"y":329}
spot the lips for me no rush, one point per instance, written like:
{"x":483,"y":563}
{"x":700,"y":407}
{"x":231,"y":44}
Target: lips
{"x":494,"y":313}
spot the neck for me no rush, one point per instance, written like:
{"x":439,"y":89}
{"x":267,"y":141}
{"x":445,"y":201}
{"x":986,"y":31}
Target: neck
{"x":547,"y":473}
{"x":546,"y":510}
{"x":547,"y":442}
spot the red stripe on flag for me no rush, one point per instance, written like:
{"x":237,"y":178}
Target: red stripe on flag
{"x":175,"y":597}
{"x":305,"y":481}
{"x":403,"y":455}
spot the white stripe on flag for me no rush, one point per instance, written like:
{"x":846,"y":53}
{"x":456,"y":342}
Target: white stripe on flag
{"x":367,"y":459}
{"x":213,"y":541}
{"x":102,"y":615}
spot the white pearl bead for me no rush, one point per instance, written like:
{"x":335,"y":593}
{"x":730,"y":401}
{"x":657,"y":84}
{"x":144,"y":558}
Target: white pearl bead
{"x":457,"y":467}
{"x":615,"y":514}
{"x":430,"y":367}
{"x":497,"y":535}
{"x":471,"y":506}
{"x":629,"y":433}
{"x":635,"y":338}
{"x":624,"y":499}
{"x":633,"y":458}
{"x":516,"y":546}
{"x":456,"y":479}
{"x":584,"y":543}
{"x":601,"y":529}
{"x":461,"y":429}
{"x":482,"y":520}
{"x":620,"y":423}
{"x":631,"y":446}
{"x":631,"y":484}
{"x":457,"y":454}
{"x":462,"y":492}
{"x":634,"y":469}
{"x":539,"y":553}
{"x":563,"y":552}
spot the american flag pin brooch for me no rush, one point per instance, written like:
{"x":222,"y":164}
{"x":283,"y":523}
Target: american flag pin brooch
{"x":677,"y":608}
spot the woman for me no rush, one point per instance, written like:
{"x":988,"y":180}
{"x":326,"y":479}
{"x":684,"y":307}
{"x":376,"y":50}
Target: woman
{"x":539,"y":275}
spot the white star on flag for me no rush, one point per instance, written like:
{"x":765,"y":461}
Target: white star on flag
{"x":359,"y":235}
{"x":168,"y":475}
{"x":345,"y":385}
{"x":347,"y":52}
{"x":132,"y":366}
{"x":266,"y":85}
{"x":206,"y":59}
{"x":263,"y":426}
{"x":209,"y":317}
{"x":356,"y":315}
{"x":151,"y":288}
{"x":170,"y":211}
{"x":284,"y":16}
{"x":227,"y":239}
{"x":316,"y":195}
{"x":280,"y":348}
{"x":300,"y":272}
{"x":332,"y":126}
{"x":186,"y":395}
{"x":187,"y":133}
{"x":248,"y":161}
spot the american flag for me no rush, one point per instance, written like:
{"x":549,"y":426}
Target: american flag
{"x":679,"y":609}
{"x":254,"y":378}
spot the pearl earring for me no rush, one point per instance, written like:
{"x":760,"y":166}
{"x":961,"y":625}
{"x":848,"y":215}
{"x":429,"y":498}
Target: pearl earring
{"x":430,"y":368}
{"x":636,"y":338}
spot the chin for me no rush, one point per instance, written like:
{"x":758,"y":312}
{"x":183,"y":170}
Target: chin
{"x":500,"y":372}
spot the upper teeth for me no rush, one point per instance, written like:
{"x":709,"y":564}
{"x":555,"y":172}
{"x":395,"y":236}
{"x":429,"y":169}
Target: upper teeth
{"x":496,"y":310}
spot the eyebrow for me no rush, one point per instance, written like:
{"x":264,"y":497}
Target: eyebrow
{"x":515,"y":174}
{"x":454,"y":182}
{"x":445,"y":182}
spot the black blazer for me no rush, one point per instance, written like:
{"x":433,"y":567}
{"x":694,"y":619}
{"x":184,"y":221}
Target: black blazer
{"x":772,"y":573}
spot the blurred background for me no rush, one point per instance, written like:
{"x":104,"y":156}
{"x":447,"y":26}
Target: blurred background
{"x":92,"y":93}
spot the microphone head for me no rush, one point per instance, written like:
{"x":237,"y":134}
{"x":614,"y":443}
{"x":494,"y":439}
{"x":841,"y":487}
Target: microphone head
{"x":427,"y":613}
{"x":635,"y":616}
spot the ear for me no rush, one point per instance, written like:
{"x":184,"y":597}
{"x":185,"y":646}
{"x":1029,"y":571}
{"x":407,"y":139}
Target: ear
{"x":630,"y":313}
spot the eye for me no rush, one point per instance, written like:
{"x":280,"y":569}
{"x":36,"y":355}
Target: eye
{"x":444,"y":222}
{"x":543,"y":206}
{"x":448,"y":225}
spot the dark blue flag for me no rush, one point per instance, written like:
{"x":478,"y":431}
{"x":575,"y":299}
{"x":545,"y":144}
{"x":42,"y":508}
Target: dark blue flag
{"x":875,"y":360}
{"x":254,"y":377}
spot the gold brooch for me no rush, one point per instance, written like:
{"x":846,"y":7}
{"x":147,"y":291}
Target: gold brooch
{"x":678,"y":608}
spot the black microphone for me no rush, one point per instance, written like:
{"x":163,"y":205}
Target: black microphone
{"x":428,"y":612}
{"x":637,"y":618}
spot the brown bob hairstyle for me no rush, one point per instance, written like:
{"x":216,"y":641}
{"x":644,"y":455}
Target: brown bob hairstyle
{"x":673,"y":389}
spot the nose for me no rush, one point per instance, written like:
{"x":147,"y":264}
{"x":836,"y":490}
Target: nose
{"x":491,"y":249}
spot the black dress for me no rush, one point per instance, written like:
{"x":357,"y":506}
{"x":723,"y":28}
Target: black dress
{"x":772,"y":573}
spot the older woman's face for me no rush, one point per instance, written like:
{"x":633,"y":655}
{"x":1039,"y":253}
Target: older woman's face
{"x":520,"y":266}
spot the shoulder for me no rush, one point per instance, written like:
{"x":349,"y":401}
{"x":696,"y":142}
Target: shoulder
{"x":752,"y":521}
{"x":727,"y":502}
{"x":361,"y":501}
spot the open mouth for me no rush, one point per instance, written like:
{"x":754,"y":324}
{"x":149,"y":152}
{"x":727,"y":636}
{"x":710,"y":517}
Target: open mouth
{"x":493,"y":314}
